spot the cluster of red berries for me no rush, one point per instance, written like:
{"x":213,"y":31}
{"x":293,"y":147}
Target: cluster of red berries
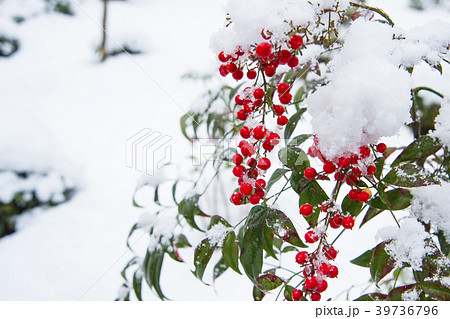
{"x":336,"y":219}
{"x":257,"y":139}
{"x":317,"y":268}
{"x":268,"y":58}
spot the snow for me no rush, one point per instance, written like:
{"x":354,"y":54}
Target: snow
{"x":410,"y":295}
{"x":249,"y":18}
{"x":217,"y":233}
{"x":407,"y":244}
{"x":350,"y":112}
{"x":430,"y":204}
{"x":442,"y":131}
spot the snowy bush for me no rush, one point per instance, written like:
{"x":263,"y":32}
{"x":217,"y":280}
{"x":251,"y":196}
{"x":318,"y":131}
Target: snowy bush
{"x":348,"y":68}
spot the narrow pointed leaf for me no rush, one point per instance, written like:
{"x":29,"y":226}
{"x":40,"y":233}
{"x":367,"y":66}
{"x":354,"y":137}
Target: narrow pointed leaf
{"x":381,"y":263}
{"x":230,"y":251}
{"x":364,"y":259}
{"x":283,"y":227}
{"x":202,"y":255}
{"x":268,"y":282}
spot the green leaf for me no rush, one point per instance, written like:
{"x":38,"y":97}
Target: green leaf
{"x":258,"y":295}
{"x":137,"y":284}
{"x":445,"y":246}
{"x":174,"y":192}
{"x":294,"y":158}
{"x":396,"y":293}
{"x":133,"y":229}
{"x":152,"y":270}
{"x":283,"y":227}
{"x":288,"y":249}
{"x":202,"y":255}
{"x":396,"y":199}
{"x":230,"y":251}
{"x":372,"y":297}
{"x":277,"y":174}
{"x":371,"y":213}
{"x":351,"y":206}
{"x":379,"y":164}
{"x":288,"y":292}
{"x":216,"y":219}
{"x":219,"y":269}
{"x":181,"y":241}
{"x":299,"y":140}
{"x":268,"y":242}
{"x":292,"y":123}
{"x":418,"y":151}
{"x":252,"y":242}
{"x":298,"y":97}
{"x":409,"y":175}
{"x":364,"y":259}
{"x":436,"y":290}
{"x":188,"y":208}
{"x":268,"y":282}
{"x":381,"y":263}
{"x":183,"y":125}
{"x":156,"y":198}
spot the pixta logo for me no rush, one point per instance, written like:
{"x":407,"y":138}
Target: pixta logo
{"x":148,"y":151}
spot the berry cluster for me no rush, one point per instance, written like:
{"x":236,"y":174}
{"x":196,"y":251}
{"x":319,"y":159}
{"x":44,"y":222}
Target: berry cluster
{"x":317,"y":268}
{"x":261,"y":61}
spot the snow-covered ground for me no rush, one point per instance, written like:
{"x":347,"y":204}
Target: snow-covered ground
{"x":66,"y":110}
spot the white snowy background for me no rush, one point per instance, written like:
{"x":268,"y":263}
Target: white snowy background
{"x":64,"y":111}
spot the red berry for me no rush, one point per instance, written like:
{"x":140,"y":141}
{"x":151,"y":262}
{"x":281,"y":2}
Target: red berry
{"x":324,"y":268}
{"x":263,"y":50}
{"x":306,"y":210}
{"x":238,"y":75}
{"x":253,"y":173}
{"x":293,"y":62}
{"x":356,"y":171}
{"x":310,"y":173}
{"x":238,"y":100}
{"x":238,"y":171}
{"x":278,"y":109}
{"x":284,"y":56}
{"x":296,"y":41}
{"x":365,"y":151}
{"x":258,"y":93}
{"x":246,"y":189}
{"x":259,"y":132}
{"x":330,"y":252}
{"x":329,"y":167}
{"x":311,"y":237}
{"x":353,"y":194}
{"x":351,"y":180}
{"x":231,"y":67}
{"x":301,"y":257}
{"x":241,"y":115}
{"x":254,"y":199}
{"x":267,"y":145}
{"x":258,"y":102}
{"x":323,"y":285}
{"x":297,"y":294}
{"x":333,"y":272}
{"x":270,"y":71}
{"x":363,"y":197}
{"x":260,"y":184}
{"x":263,"y":163}
{"x":223,"y":57}
{"x":248,"y":150}
{"x":337,"y":219}
{"x":339,"y":175}
{"x":315,"y":296}
{"x":371,"y":170}
{"x":275,"y":137}
{"x":311,"y":283}
{"x":343,"y":162}
{"x":251,"y":162}
{"x":245,"y":132}
{"x":236,"y":198}
{"x":286,"y":98}
{"x":333,"y":224}
{"x":251,"y":74}
{"x":354,"y":159}
{"x":260,"y":193}
{"x":223,"y":70}
{"x":237,"y":159}
{"x":283,"y":88}
{"x":381,"y":148}
{"x":348,"y":222}
{"x":282,"y":120}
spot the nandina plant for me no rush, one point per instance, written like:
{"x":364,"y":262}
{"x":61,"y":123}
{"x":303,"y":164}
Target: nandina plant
{"x":357,"y":90}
